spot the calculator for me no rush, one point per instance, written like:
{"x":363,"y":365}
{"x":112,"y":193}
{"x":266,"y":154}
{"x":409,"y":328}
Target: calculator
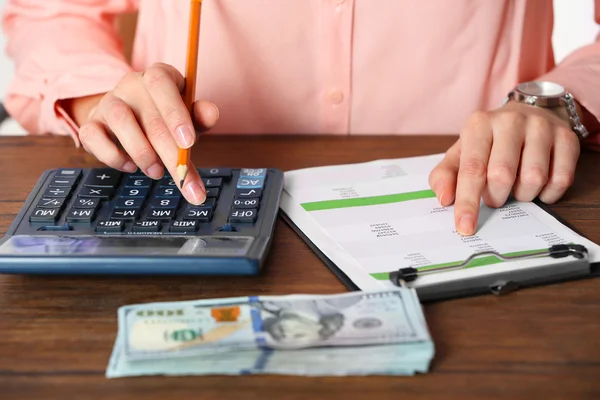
{"x":103,"y":221}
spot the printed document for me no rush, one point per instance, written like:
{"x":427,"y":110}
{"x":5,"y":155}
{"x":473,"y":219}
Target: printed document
{"x":373,"y":218}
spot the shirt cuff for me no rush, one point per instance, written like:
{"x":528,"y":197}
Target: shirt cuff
{"x":100,"y":76}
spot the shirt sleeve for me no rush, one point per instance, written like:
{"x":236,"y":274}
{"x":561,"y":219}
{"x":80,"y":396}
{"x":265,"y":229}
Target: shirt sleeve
{"x":61,"y":49}
{"x":579,"y":73}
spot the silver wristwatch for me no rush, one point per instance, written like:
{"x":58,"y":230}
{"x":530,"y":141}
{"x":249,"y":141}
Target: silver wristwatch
{"x":550,"y":95}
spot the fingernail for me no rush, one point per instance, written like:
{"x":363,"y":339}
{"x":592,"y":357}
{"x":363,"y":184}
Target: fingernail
{"x":129,"y":166}
{"x":216,"y":108}
{"x":185,"y":137}
{"x":441,"y":198}
{"x":466,"y":225}
{"x":196,"y":193}
{"x":439,"y":191}
{"x":155,"y":171}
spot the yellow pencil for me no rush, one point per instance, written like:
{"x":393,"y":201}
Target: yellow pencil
{"x":183,"y":156}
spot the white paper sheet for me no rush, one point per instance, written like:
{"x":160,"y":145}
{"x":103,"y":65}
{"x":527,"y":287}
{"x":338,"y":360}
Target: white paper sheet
{"x":374,"y":218}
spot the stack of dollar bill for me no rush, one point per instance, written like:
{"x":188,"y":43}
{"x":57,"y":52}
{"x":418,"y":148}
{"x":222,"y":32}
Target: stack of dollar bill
{"x":359,"y":333}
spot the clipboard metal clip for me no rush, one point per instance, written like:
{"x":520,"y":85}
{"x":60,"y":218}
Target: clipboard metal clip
{"x":409,"y":274}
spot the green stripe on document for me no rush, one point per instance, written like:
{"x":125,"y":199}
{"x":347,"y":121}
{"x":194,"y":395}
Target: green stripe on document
{"x":478,"y":262}
{"x":367,"y":201}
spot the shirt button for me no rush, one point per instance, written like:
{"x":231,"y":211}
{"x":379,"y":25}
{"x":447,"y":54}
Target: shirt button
{"x":336,"y":97}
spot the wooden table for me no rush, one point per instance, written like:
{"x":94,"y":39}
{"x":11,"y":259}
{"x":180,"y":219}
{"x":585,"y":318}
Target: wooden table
{"x":57,"y":333}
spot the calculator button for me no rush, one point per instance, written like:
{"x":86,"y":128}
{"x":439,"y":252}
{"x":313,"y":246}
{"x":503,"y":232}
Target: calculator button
{"x":51,"y":203}
{"x":184,"y":226}
{"x":209,"y":203}
{"x":212,"y":182}
{"x":147,"y":226}
{"x":138,"y":182}
{"x":168,"y":192}
{"x":250,"y":183}
{"x":131,"y":192}
{"x":169,"y":202}
{"x":215,"y":172}
{"x":62,"y":182}
{"x":57,"y":192}
{"x":253,"y":173}
{"x":243,"y":216}
{"x":212,"y":193}
{"x":100,"y":193}
{"x":56,"y":228}
{"x":109,"y":226}
{"x":248,"y":193}
{"x":167,"y":181}
{"x":83,"y":215}
{"x":245,"y":203}
{"x":128,"y":214}
{"x":103,"y":177}
{"x":44,"y":215}
{"x":68,"y":173}
{"x":129,"y":203}
{"x":86,"y":203}
{"x":199,"y":213}
{"x":164,"y":214}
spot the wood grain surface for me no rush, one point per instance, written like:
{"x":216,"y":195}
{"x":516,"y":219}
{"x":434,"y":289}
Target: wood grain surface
{"x":57,"y":332}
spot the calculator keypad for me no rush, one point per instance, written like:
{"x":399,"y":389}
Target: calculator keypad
{"x":110,"y":202}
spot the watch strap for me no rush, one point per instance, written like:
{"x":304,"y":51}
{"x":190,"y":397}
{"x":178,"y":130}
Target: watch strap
{"x":574,"y":117}
{"x":568,"y":102}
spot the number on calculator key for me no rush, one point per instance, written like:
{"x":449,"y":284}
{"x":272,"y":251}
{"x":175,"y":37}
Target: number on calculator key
{"x":168,"y":192}
{"x":138,"y":182}
{"x":134,"y":202}
{"x":167,"y":181}
{"x":131,"y":192}
{"x":169,"y":202}
{"x":245,"y":203}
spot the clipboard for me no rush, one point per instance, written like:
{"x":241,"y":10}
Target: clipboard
{"x":574,"y":265}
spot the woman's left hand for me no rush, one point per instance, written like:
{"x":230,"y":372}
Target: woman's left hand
{"x":526,"y":150}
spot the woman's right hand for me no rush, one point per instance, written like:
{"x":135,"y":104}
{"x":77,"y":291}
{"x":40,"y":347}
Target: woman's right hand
{"x":145,"y":114}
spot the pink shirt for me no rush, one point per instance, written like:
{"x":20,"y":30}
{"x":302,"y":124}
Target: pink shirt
{"x":344,"y":67}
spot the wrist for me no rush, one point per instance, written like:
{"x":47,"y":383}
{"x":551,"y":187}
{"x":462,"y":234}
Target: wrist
{"x":555,"y":99}
{"x":589,"y":120}
{"x":80,"y":108}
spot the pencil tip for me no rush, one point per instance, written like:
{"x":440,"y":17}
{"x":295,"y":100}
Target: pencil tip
{"x":181,"y":183}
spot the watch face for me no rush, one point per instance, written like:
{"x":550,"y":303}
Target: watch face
{"x":541,"y":89}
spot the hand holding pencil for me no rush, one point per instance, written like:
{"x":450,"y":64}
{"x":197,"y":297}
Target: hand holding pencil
{"x":150,"y":115}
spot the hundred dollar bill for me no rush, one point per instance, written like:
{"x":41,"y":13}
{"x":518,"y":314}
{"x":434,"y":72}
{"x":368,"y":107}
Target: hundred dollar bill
{"x":186,"y":329}
{"x":391,"y":359}
{"x":362,"y":333}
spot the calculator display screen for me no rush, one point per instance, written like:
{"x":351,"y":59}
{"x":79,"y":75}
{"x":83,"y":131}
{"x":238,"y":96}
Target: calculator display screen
{"x":134,"y":246}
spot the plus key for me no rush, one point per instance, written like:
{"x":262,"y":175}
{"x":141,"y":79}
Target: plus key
{"x":103,"y":178}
